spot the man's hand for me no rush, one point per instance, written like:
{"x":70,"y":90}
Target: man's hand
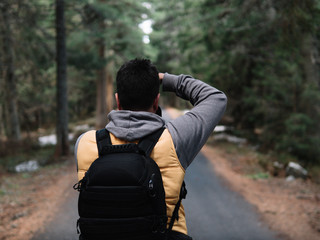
{"x":161,"y":75}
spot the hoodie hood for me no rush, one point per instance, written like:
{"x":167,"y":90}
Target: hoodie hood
{"x":132,"y":125}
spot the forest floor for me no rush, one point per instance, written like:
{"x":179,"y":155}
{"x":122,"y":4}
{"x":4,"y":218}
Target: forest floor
{"x":29,"y":200}
{"x":291,"y":208}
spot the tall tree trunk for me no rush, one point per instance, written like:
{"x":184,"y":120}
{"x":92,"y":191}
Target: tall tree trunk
{"x":62,"y":148}
{"x":101,"y":111}
{"x":110,"y":91}
{"x":2,"y":132}
{"x":310,"y":63}
{"x":10,"y":92}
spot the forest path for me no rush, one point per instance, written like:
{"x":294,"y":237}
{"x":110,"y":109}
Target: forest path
{"x":212,"y":210}
{"x":215,"y":212}
{"x":62,"y":225}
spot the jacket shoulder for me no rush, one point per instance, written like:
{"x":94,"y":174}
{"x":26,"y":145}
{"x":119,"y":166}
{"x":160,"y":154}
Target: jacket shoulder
{"x":87,"y":151}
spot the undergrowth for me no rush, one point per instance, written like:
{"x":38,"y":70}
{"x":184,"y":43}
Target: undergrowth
{"x":14,"y":153}
{"x":259,"y":165}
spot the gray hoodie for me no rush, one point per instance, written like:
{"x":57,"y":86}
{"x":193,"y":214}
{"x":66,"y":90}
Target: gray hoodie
{"x":190,"y":131}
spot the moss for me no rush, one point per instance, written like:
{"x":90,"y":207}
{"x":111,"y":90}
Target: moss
{"x":260,"y":175}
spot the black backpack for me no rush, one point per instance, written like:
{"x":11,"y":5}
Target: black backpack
{"x":122,"y":195}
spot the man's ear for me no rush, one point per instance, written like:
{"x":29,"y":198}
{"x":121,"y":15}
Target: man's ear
{"x":156,"y":103}
{"x":118,"y":102}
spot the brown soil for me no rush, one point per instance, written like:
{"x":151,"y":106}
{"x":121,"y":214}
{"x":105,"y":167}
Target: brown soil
{"x":290,"y":208}
{"x":28,"y":201}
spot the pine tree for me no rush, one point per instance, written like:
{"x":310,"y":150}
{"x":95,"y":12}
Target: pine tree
{"x":262,"y":54}
{"x":12,"y":124}
{"x":62,"y":147}
{"x":110,"y":35}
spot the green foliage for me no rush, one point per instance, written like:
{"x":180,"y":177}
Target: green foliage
{"x":115,"y":24}
{"x":33,"y":59}
{"x":262,"y":54}
{"x":299,"y":138}
{"x":31,"y":151}
{"x":108,"y":26}
{"x":88,"y":22}
{"x":2,"y":192}
{"x":260,"y":175}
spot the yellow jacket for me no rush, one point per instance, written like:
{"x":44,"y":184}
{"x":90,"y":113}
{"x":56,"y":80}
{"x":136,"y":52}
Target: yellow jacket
{"x":163,"y":154}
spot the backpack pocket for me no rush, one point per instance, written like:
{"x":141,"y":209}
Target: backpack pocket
{"x":114,"y":202}
{"x":140,"y":228}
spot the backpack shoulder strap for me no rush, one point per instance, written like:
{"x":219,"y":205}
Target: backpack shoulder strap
{"x":103,"y":139}
{"x":147,"y":143}
{"x":175,"y":214}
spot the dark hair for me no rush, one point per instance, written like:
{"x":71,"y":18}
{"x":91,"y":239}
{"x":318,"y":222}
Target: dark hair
{"x":137,"y":84}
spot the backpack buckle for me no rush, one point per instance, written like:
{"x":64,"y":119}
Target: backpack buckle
{"x":183,"y":191}
{"x":77,"y":186}
{"x":81,"y":184}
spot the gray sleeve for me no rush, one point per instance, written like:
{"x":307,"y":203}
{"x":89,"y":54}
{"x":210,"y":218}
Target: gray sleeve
{"x":76,"y":150}
{"x":190,"y":131}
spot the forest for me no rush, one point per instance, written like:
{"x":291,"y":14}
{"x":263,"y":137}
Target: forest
{"x":59,"y":60}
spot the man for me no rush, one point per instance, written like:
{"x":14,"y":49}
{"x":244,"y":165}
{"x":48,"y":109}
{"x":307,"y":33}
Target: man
{"x":137,"y":99}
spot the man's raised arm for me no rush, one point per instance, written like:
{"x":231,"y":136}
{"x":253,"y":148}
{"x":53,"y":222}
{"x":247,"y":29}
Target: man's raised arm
{"x":190,"y":131}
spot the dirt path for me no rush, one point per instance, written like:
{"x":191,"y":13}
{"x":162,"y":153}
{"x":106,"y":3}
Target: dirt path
{"x":213,"y":211}
{"x":32,"y":200}
{"x":290,"y":208}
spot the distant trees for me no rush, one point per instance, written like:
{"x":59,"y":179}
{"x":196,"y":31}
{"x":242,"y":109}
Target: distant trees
{"x":100,"y":35}
{"x":9,"y":85}
{"x":27,"y":55}
{"x":109,"y":34}
{"x":263,"y":54}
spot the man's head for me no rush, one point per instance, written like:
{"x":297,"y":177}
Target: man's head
{"x":138,"y":86}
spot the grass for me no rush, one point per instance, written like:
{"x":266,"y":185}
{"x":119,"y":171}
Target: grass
{"x":315,"y":174}
{"x":260,"y":175}
{"x":259,"y":165}
{"x":2,"y":192}
{"x":15,"y":185}
{"x":42,"y":154}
